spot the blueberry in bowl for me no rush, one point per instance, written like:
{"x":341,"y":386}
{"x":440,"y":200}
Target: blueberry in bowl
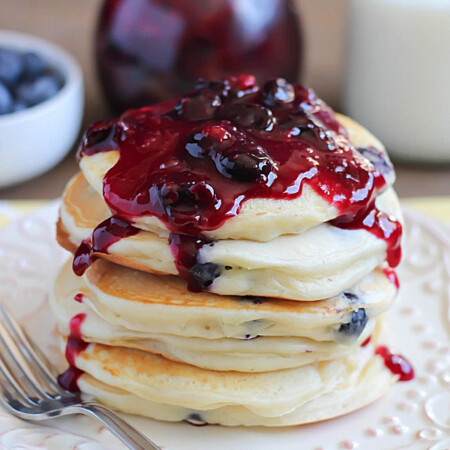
{"x":25,"y":80}
{"x":41,"y":106}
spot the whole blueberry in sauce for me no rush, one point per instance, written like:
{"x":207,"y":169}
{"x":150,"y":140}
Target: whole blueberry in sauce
{"x":278,"y":92}
{"x":248,"y":115}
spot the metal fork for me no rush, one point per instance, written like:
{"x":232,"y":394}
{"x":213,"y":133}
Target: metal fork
{"x":29,"y":389}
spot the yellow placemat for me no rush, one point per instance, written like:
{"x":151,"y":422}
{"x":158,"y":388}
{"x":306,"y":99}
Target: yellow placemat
{"x":438,"y":207}
{"x":12,"y":210}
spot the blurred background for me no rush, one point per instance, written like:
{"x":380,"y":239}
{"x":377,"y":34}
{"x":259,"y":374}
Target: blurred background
{"x":361,"y":56}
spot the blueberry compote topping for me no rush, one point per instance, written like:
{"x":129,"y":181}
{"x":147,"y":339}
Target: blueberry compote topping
{"x":392,"y":276}
{"x":194,"y":161}
{"x":378,"y":159}
{"x":75,"y":345}
{"x":184,"y":250}
{"x":105,"y":234}
{"x":79,"y":297}
{"x":396,"y":363}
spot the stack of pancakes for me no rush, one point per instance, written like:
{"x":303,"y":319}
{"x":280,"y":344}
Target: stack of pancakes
{"x":284,"y":333}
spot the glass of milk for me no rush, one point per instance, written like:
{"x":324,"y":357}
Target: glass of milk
{"x":398,"y":75}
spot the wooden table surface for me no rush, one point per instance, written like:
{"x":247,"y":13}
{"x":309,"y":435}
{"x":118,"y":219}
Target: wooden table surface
{"x":71,"y":24}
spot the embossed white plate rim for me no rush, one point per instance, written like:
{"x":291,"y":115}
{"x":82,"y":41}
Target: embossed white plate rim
{"x":410,"y":416}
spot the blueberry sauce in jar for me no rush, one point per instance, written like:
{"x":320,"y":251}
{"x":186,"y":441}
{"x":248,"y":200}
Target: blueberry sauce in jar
{"x":149,"y":50}
{"x":192,"y":163}
{"x":68,"y":380}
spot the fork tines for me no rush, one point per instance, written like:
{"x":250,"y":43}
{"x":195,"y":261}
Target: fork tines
{"x":25,"y":380}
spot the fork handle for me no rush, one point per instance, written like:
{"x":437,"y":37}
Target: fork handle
{"x":132,"y":438}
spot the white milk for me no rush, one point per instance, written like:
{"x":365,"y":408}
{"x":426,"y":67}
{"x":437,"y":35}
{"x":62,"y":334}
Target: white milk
{"x":398,"y":74}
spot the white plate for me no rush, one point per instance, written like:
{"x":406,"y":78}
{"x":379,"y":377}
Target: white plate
{"x":413,"y":415}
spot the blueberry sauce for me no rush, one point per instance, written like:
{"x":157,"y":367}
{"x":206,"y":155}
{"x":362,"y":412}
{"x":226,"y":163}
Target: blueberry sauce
{"x":192,"y":162}
{"x":377,"y":158}
{"x":105,"y":234}
{"x":184,"y":250}
{"x":68,"y":380}
{"x":79,"y":297}
{"x":392,"y":276}
{"x":381,"y":225}
{"x":147,"y":50}
{"x":396,"y":363}
{"x":75,"y":345}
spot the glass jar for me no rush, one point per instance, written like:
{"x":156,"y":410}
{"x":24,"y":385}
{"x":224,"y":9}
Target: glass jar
{"x":150,"y":50}
{"x":398,"y":73}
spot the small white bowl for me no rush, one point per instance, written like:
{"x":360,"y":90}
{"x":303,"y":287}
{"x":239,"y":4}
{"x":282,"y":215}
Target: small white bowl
{"x":34,"y":140}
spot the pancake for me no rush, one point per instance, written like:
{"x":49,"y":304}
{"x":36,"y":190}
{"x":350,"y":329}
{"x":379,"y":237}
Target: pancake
{"x":316,"y":264}
{"x":259,"y":219}
{"x":142,"y":383}
{"x":206,"y":290}
{"x":147,"y":303}
{"x":373,"y":383}
{"x":250,"y":354}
